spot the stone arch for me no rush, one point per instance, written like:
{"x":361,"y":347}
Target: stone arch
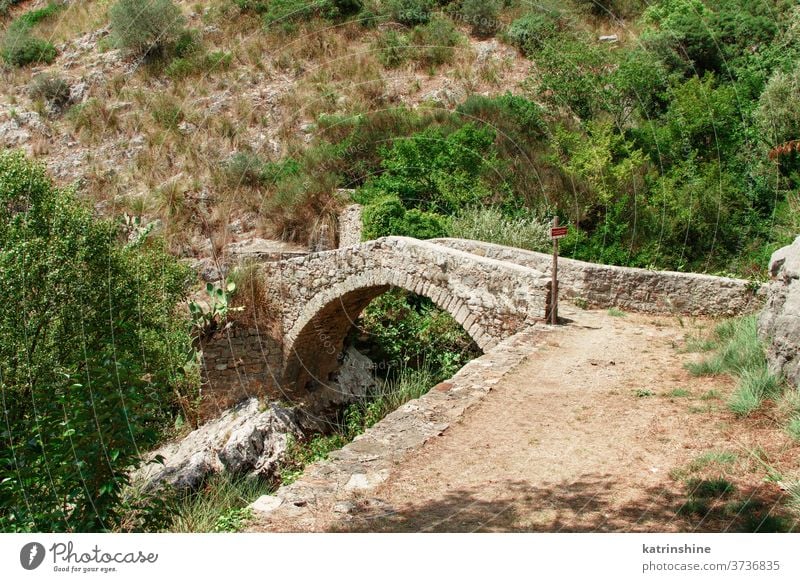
{"x":316,"y":339}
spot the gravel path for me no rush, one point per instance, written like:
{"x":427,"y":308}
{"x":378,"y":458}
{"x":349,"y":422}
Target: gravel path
{"x":584,"y":435}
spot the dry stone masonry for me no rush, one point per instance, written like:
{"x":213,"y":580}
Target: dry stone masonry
{"x":632,"y":289}
{"x":323,"y":294}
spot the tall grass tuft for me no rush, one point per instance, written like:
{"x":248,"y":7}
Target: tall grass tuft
{"x":741,"y":354}
{"x":220,"y":506}
{"x":793,"y":428}
{"x":489,"y":225}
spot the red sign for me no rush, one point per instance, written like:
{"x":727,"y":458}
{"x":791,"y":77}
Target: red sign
{"x":558,"y":232}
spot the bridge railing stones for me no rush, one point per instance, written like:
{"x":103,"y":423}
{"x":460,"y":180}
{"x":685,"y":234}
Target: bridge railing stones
{"x":628,"y":288}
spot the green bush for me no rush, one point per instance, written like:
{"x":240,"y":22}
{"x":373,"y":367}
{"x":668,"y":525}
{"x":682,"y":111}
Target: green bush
{"x":410,"y":12}
{"x":612,"y":9}
{"x":433,"y":42}
{"x":711,"y":37}
{"x":778,"y":113}
{"x":392,"y":48}
{"x":93,"y":357}
{"x":387,"y":216}
{"x":408,"y":331}
{"x":196,"y":64}
{"x":20,"y":48}
{"x":284,"y":12}
{"x":436,"y":171}
{"x":533,"y":31}
{"x":244,"y":169}
{"x":150,"y":28}
{"x":256,"y":6}
{"x":482,"y":16}
{"x":34,"y":17}
{"x":50,"y":88}
{"x":343,"y":8}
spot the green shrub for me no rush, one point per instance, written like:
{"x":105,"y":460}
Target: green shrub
{"x":180,"y":68}
{"x":531,"y":32}
{"x":410,"y":12}
{"x":342,"y":8}
{"x":387,"y":216}
{"x":433,"y":42}
{"x":50,"y":88}
{"x":286,"y":11}
{"x":244,"y":169}
{"x":20,"y":48}
{"x":437,"y":171}
{"x":187,"y":43}
{"x":612,"y":9}
{"x":94,"y":359}
{"x":392,"y":48}
{"x":778,"y":113}
{"x":482,"y":16}
{"x":34,"y":17}
{"x":167,"y":113}
{"x":406,"y":331}
{"x":147,"y":28}
{"x":255,"y":6}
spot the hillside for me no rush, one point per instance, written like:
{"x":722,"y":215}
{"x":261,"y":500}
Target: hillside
{"x":653,"y":138}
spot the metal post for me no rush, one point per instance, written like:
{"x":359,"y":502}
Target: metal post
{"x":554,"y":284}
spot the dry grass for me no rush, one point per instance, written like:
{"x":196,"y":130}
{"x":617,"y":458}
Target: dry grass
{"x":149,"y":144}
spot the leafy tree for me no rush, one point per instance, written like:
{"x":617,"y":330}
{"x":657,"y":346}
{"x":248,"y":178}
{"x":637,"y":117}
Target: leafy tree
{"x":778,"y":113}
{"x":94,"y":357}
{"x":482,"y":16}
{"x":436,"y":172}
{"x":574,"y":76}
{"x":146,"y":27}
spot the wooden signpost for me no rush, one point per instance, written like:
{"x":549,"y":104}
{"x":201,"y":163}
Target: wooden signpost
{"x":556,"y":233}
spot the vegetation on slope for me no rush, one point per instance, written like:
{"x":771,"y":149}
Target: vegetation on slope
{"x":94,"y":357}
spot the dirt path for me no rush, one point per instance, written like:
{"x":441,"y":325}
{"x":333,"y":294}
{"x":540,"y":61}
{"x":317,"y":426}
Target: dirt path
{"x":589,"y":434}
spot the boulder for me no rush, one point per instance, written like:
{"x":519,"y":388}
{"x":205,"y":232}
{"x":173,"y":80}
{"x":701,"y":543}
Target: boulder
{"x":779,"y":322}
{"x":354,"y":380}
{"x":245,"y":440}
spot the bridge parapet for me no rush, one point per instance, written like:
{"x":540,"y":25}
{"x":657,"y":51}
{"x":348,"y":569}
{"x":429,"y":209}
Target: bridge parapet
{"x":642,"y":290}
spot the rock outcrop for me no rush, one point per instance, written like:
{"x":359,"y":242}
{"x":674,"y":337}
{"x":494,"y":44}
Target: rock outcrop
{"x":779,"y":323}
{"x":246,"y":440}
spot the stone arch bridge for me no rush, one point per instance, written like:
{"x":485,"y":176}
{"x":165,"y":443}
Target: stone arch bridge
{"x":322,"y":294}
{"x":492,"y":291}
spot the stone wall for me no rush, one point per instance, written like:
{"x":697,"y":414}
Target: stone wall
{"x":779,"y":322}
{"x":350,"y":226}
{"x":239,"y":362}
{"x":642,"y":290}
